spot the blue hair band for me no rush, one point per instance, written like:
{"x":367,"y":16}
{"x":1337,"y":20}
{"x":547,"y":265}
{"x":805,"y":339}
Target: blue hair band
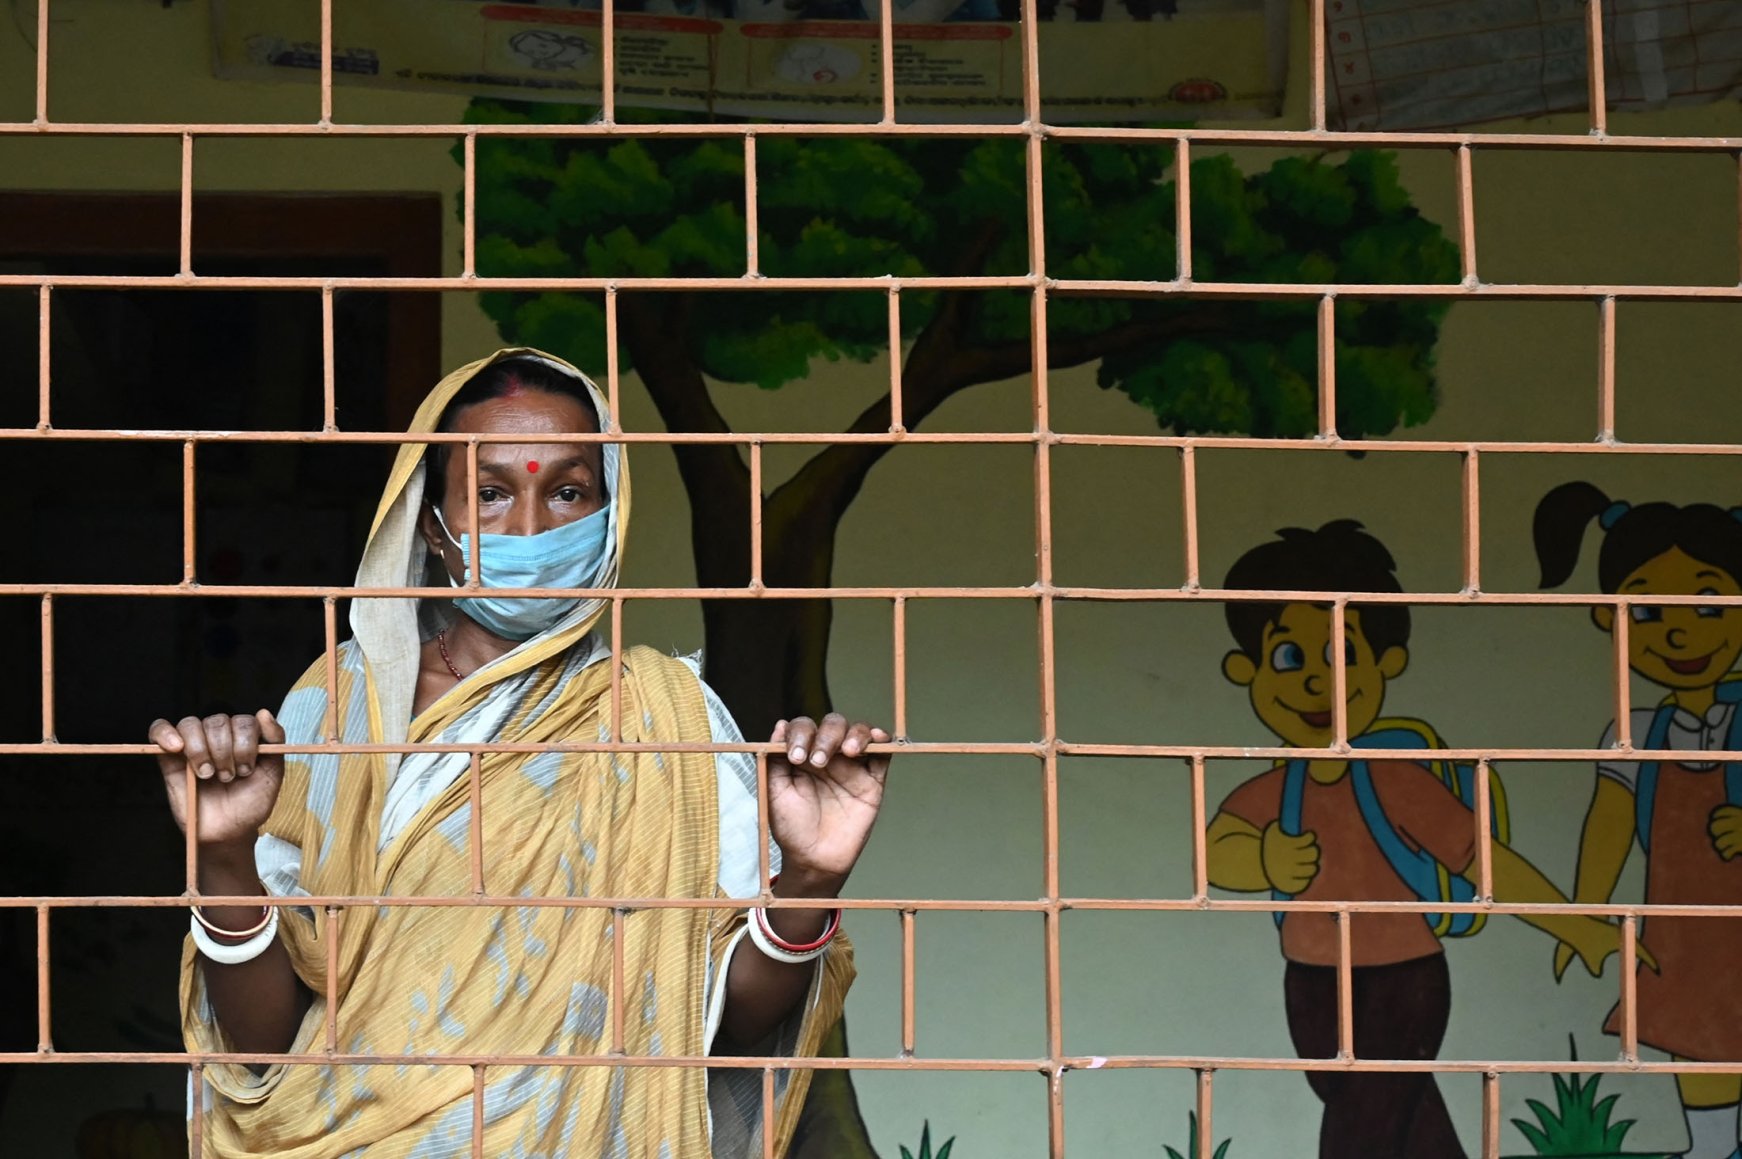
{"x":1612,"y":514}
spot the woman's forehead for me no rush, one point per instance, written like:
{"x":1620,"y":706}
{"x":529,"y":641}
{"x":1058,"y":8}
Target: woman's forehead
{"x":530,"y":412}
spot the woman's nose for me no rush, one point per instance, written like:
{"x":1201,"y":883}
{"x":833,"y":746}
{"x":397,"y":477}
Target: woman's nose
{"x":525,"y":519}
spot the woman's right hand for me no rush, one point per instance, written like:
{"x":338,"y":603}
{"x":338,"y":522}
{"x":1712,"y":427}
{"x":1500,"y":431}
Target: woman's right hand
{"x":238,"y":783}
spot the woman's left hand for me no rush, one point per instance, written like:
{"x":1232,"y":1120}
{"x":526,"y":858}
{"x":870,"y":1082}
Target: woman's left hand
{"x":824,"y":791}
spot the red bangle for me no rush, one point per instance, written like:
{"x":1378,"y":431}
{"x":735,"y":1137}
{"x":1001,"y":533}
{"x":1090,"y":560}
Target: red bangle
{"x":781,"y":943}
{"x":829,"y":932}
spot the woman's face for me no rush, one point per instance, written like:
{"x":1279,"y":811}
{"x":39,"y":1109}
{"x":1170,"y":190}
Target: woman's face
{"x":523,"y":488}
{"x":1682,"y":646}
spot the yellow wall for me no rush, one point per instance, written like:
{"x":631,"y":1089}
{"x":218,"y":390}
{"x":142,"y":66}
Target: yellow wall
{"x":970,"y":827}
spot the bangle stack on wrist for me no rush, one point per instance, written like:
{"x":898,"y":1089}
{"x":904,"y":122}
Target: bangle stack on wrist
{"x":233,"y":947}
{"x":793,"y":953}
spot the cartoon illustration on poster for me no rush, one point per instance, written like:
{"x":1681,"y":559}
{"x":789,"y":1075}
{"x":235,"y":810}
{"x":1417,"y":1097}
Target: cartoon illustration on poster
{"x":543,"y":48}
{"x":820,"y":64}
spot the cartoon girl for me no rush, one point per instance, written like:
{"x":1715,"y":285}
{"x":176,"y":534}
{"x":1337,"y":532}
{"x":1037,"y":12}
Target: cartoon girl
{"x":1685,"y":813}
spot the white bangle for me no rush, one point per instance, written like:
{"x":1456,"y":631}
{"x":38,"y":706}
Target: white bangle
{"x":236,"y":954}
{"x":758,"y":934}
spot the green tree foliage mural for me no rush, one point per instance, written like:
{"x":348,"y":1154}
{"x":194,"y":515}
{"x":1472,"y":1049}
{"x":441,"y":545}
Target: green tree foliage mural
{"x":672,"y":205}
{"x":667,"y":206}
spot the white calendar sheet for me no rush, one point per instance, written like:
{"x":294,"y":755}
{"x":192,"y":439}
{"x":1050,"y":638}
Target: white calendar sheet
{"x":1430,"y":64}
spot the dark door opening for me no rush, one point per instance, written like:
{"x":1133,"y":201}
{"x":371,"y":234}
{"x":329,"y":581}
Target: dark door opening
{"x":110,"y":511}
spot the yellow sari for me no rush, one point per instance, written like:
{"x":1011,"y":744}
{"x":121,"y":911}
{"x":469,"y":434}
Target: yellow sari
{"x":422,"y":982}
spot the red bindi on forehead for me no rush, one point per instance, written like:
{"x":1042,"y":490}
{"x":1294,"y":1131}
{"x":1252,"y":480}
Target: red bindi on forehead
{"x":532,"y":466}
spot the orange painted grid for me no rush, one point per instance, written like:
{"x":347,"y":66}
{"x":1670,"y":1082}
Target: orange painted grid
{"x":1044,"y":592}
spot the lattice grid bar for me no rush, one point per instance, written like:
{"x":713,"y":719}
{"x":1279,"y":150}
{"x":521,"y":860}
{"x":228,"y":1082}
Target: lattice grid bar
{"x":1044,"y":592}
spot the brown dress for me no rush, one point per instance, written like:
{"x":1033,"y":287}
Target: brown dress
{"x":1692,"y":1004}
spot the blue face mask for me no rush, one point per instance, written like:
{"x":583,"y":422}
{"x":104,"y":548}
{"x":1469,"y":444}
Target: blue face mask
{"x":563,"y":557}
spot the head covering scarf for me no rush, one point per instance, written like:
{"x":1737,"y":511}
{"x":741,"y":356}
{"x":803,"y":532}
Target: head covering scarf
{"x":388,"y":628}
{"x":527,"y":981}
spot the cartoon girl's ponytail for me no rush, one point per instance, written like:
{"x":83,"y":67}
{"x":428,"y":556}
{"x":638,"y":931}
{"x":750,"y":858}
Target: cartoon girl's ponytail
{"x":1559,"y":527}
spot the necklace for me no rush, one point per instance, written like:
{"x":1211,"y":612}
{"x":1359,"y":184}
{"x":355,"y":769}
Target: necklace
{"x":442,"y":644}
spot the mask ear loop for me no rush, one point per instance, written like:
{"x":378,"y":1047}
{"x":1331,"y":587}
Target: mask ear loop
{"x":443,"y":524}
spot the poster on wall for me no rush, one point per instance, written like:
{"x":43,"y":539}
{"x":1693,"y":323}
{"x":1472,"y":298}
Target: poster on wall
{"x":953,"y":60}
{"x":1426,"y":64}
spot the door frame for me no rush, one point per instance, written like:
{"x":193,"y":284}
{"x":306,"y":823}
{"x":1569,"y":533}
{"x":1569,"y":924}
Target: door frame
{"x":401,"y":230}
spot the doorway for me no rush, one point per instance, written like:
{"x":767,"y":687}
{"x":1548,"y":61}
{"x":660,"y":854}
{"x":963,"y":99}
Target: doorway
{"x":110,"y":511}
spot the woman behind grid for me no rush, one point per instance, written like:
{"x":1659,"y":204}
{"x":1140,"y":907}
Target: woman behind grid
{"x":527,"y":981}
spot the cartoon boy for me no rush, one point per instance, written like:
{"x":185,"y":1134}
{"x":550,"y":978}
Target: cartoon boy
{"x":1312,"y":837}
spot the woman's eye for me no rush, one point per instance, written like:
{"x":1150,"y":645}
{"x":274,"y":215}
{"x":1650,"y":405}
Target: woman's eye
{"x":489,"y":495}
{"x":1287,"y":657}
{"x":1646,"y":615}
{"x":569,"y":494}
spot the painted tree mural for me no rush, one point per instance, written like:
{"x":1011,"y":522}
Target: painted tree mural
{"x":663,"y":206}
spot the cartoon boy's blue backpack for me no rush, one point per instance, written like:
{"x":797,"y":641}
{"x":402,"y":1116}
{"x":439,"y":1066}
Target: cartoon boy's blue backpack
{"x":1729,"y":691}
{"x":1425,"y":876}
